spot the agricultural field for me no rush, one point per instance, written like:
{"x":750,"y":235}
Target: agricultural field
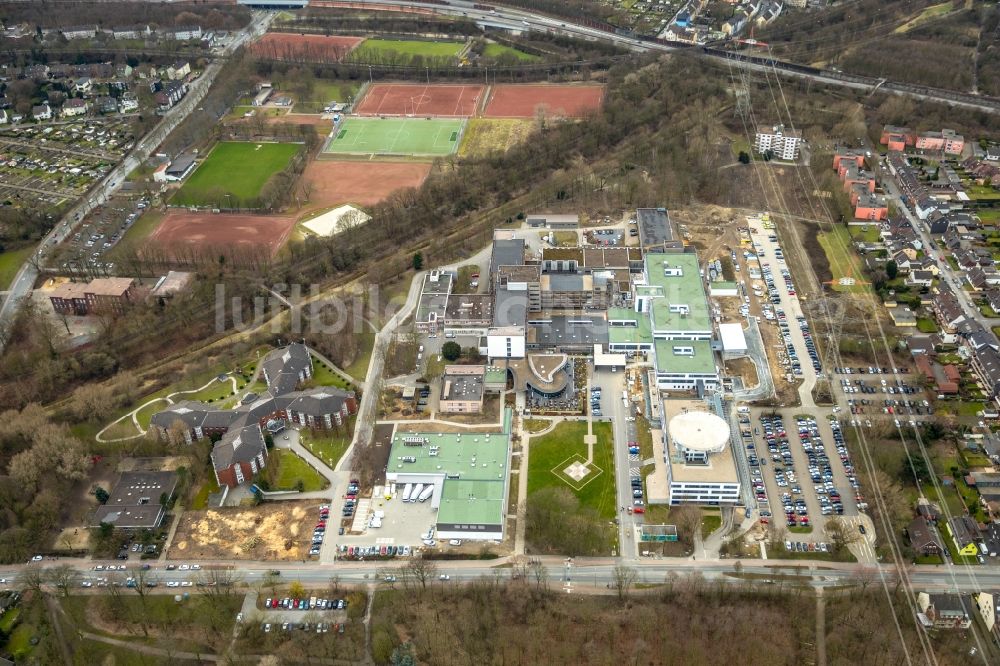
{"x":274,"y":531}
{"x":377,"y":50}
{"x":397,"y":136}
{"x":486,"y":135}
{"x":233,"y":174}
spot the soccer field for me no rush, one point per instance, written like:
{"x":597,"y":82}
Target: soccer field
{"x":397,"y":136}
{"x":235,"y":168}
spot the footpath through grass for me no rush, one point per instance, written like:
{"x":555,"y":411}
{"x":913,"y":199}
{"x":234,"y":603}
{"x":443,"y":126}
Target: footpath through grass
{"x":234,"y":168}
{"x":551,"y":453}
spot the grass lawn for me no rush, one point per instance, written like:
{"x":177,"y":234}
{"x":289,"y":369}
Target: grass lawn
{"x":495,"y":51}
{"x":535,"y":425}
{"x":329,"y":447}
{"x":237,"y":168}
{"x":800,"y":529}
{"x":359,"y":367}
{"x":866,"y":234}
{"x":463,"y":283}
{"x":139,"y":231}
{"x":926,"y":325}
{"x":551,"y":453}
{"x":200,"y":499}
{"x":10,"y":263}
{"x":970,"y":408}
{"x":989,"y":215}
{"x":19,"y":642}
{"x":741,"y":145}
{"x":285,"y":469}
{"x":953,"y":547}
{"x":324,"y":92}
{"x":928,"y":559}
{"x":710,"y":523}
{"x":8,"y":619}
{"x":566,"y":238}
{"x":929,"y":13}
{"x":844,"y":262}
{"x":377,"y":49}
{"x":324,"y":376}
{"x":397,"y":136}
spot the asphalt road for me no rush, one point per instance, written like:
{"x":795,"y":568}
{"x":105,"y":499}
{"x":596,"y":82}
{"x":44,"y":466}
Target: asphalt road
{"x":596,"y":571}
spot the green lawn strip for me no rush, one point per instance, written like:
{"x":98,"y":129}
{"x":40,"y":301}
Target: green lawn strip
{"x":645,"y":436}
{"x":8,"y":620}
{"x":843,"y":261}
{"x":329,"y":448}
{"x":10,"y":263}
{"x":359,"y":366}
{"x":286,"y":469}
{"x":495,"y":51}
{"x":236,"y":168}
{"x":801,"y":529}
{"x":376,"y":49}
{"x":928,"y":559}
{"x":549,"y":454}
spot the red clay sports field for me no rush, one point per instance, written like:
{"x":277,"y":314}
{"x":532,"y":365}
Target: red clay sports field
{"x":316,"y":48}
{"x":363,"y":183}
{"x":205,"y":231}
{"x":407,"y":99}
{"x":522,"y":101}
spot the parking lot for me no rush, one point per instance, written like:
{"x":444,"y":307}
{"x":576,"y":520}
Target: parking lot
{"x":84,"y":251}
{"x":876,"y":393}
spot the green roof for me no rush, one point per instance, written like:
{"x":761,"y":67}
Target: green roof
{"x":480,"y":460}
{"x":639,"y":333}
{"x":701,"y":362}
{"x":471,"y":502}
{"x":684,"y":289}
{"x":495,"y":375}
{"x":724,"y":284}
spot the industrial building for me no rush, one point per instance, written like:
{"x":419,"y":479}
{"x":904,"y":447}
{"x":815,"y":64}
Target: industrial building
{"x":470,"y":474}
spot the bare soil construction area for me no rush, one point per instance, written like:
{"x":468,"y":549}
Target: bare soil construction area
{"x":273,"y":531}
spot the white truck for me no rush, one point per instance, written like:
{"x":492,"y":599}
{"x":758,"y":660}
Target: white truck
{"x":426,"y":493}
{"x":407,"y":491}
{"x":417,"y":489}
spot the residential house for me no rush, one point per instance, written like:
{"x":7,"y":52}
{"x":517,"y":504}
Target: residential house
{"x":769,"y":10}
{"x":965,"y":531}
{"x":178,"y":70}
{"x":239,"y":456}
{"x":784,"y":144}
{"x":903,"y":317}
{"x":897,"y":138}
{"x":83,"y":84}
{"x":988,"y":605}
{"x":170,"y":93}
{"x":928,"y":510}
{"x":106,"y":104}
{"x":855,"y":156}
{"x":871,"y":207}
{"x":942,"y":611}
{"x":41,"y":112}
{"x":923,"y":540}
{"x":182,"y":33}
{"x":948,"y":310}
{"x":128,"y":102}
{"x":919,"y":278}
{"x":3,"y":117}
{"x":79,"y":32}
{"x":75,"y":107}
{"x":37,"y":72}
{"x":137,"y":32}
{"x":945,"y":380}
{"x":986,"y":365}
{"x":946,"y":141}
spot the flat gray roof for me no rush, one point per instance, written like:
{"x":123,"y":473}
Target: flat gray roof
{"x":511,"y":308}
{"x":462,"y":387}
{"x":574,"y":330}
{"x":654,"y":226}
{"x":507,"y":253}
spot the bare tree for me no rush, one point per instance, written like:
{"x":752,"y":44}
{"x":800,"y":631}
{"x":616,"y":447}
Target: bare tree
{"x":63,"y":577}
{"x":33,"y":578}
{"x":420,"y":570}
{"x":688,"y":521}
{"x":624,"y":577}
{"x":141,"y":581}
{"x":539,"y":573}
{"x":841,"y":534}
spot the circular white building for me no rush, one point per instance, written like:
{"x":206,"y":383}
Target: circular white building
{"x":698,"y":434}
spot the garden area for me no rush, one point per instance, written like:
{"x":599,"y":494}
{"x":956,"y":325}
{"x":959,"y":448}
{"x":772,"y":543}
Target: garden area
{"x":287,"y":471}
{"x":328,"y":446}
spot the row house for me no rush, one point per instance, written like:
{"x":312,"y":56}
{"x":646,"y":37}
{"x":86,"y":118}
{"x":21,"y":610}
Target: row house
{"x":898,"y":139}
{"x":948,"y":310}
{"x":170,"y":94}
{"x":869,"y":206}
{"x":75,"y":107}
{"x":80,"y":32}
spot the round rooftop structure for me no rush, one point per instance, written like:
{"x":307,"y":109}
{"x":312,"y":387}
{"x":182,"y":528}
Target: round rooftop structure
{"x":699,"y":431}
